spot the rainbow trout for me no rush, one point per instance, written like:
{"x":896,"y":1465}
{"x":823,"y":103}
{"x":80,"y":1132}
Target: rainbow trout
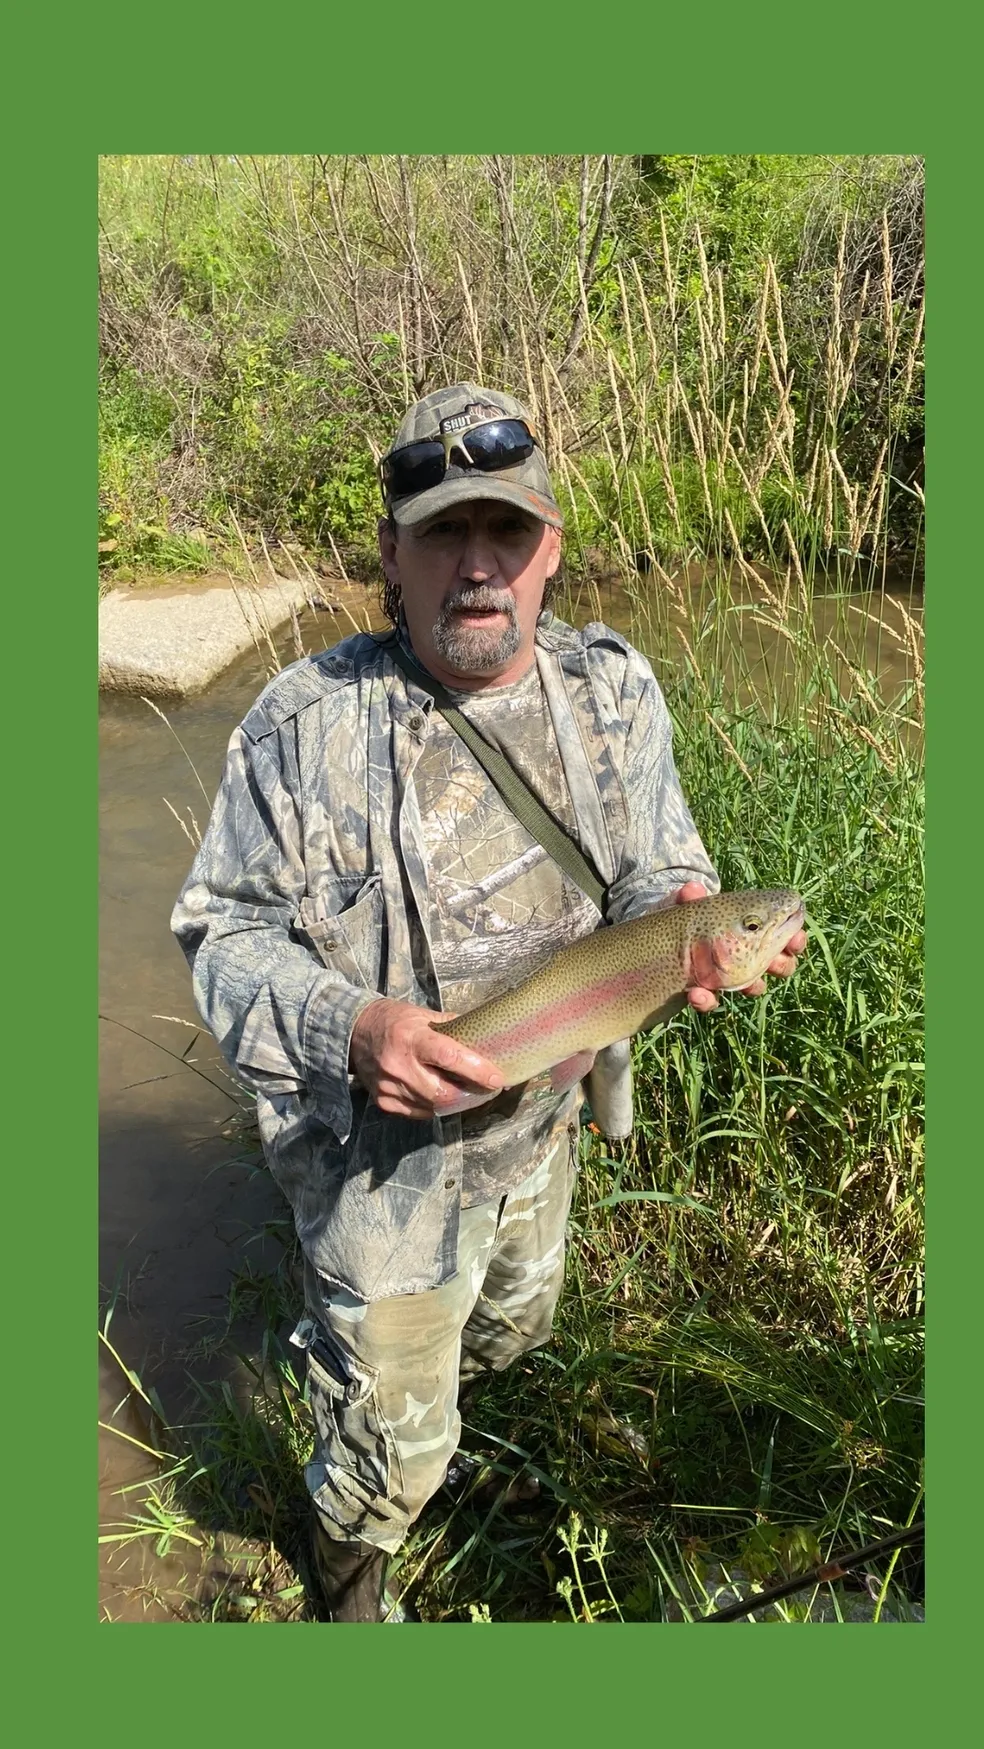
{"x":623,"y":979}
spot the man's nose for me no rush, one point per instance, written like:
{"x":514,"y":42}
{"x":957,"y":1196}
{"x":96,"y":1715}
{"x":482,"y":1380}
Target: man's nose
{"x":478,"y":560}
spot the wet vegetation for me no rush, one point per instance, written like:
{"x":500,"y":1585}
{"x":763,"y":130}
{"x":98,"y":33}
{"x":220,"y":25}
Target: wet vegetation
{"x":724,"y":356}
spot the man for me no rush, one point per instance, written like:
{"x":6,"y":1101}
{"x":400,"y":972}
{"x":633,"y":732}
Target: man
{"x":359,"y":872}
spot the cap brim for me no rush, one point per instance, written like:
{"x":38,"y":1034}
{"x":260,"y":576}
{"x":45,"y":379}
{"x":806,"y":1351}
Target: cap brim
{"x":407,"y":512}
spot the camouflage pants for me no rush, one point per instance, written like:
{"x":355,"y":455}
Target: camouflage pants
{"x":383,"y":1379}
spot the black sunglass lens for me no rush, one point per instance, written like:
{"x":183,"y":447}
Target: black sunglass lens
{"x":503,"y":444}
{"x":415,"y":468}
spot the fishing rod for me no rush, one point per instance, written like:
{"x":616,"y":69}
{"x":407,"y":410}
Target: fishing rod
{"x":821,"y":1574}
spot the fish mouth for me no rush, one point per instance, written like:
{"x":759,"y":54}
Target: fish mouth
{"x":790,"y":925}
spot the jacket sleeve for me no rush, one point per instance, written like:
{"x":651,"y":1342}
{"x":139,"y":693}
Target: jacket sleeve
{"x":282,"y":1020}
{"x":662,"y":848}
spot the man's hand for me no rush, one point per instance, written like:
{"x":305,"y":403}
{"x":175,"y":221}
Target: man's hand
{"x":407,"y":1067}
{"x":783,"y":966}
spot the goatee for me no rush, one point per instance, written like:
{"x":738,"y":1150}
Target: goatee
{"x":477,"y":649}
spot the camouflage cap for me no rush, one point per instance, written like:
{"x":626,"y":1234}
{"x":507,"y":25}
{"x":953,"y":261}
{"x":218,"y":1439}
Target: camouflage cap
{"x":527,"y":485}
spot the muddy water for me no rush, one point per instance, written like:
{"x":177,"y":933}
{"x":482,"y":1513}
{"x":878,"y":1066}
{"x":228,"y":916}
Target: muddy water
{"x":744,"y":631}
{"x":182,"y":1207}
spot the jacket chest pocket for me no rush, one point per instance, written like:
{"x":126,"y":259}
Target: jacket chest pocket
{"x":344,"y":923}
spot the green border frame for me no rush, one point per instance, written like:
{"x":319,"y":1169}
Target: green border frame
{"x":117,"y":80}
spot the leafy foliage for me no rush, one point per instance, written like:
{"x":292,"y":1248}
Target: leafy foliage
{"x":710,"y":330}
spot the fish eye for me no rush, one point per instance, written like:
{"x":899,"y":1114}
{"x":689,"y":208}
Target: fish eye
{"x":751,"y":923}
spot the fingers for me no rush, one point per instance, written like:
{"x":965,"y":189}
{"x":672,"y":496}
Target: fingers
{"x":411,"y":1089}
{"x":690,"y":890}
{"x":383,"y":1059}
{"x":420,"y":1089}
{"x":467,"y":1065}
{"x":783,"y":967}
{"x":397,"y":1101}
{"x":409,"y":1069}
{"x":701,"y":999}
{"x":441,"y":1071}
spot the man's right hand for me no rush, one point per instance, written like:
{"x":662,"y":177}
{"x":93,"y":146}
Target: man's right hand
{"x":407,"y":1067}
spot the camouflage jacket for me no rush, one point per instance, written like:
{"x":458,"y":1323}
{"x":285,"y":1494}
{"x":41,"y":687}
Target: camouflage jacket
{"x":298,"y":911}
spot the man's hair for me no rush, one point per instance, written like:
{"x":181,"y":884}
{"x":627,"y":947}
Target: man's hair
{"x":390,"y":595}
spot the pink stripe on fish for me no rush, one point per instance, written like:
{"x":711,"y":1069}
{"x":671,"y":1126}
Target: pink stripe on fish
{"x":560,"y":1013}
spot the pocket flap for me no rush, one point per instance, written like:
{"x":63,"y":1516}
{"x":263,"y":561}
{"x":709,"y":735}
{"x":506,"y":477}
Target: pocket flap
{"x":342,"y":922}
{"x":337,"y":1373}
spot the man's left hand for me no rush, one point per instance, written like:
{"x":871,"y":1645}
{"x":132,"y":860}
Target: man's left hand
{"x":783,"y":966}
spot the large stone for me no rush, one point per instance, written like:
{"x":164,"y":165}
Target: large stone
{"x":173,"y":639}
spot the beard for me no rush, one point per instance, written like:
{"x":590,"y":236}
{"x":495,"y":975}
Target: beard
{"x":477,"y":649}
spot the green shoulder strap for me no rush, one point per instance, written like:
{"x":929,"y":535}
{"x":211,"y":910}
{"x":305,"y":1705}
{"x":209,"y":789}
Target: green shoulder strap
{"x":513,"y":789}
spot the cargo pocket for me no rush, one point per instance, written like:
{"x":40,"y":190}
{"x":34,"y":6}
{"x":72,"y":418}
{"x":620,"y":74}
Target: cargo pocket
{"x":353,"y":1440}
{"x":344,"y":922}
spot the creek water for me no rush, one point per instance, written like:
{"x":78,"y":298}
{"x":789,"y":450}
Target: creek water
{"x":183,"y":1208}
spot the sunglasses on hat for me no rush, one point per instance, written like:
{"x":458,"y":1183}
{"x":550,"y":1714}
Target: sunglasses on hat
{"x":490,"y":445}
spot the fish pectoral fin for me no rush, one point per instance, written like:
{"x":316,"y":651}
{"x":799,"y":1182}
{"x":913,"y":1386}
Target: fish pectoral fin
{"x":565,"y":1074}
{"x":660,"y":1016}
{"x":464,"y":1102}
{"x":501,"y":1104}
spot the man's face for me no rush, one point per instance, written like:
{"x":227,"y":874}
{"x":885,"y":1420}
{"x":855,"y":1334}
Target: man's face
{"x":472,"y":581}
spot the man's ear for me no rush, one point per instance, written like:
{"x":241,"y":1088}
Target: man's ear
{"x":553,"y":560}
{"x":388,"y":550}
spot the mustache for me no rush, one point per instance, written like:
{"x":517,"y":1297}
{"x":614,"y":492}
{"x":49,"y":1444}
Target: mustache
{"x":481,"y":597}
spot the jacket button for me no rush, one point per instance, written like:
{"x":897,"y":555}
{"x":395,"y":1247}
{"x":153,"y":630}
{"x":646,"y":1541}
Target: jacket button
{"x":449,"y":1183}
{"x":331,"y":941}
{"x":416,"y":722}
